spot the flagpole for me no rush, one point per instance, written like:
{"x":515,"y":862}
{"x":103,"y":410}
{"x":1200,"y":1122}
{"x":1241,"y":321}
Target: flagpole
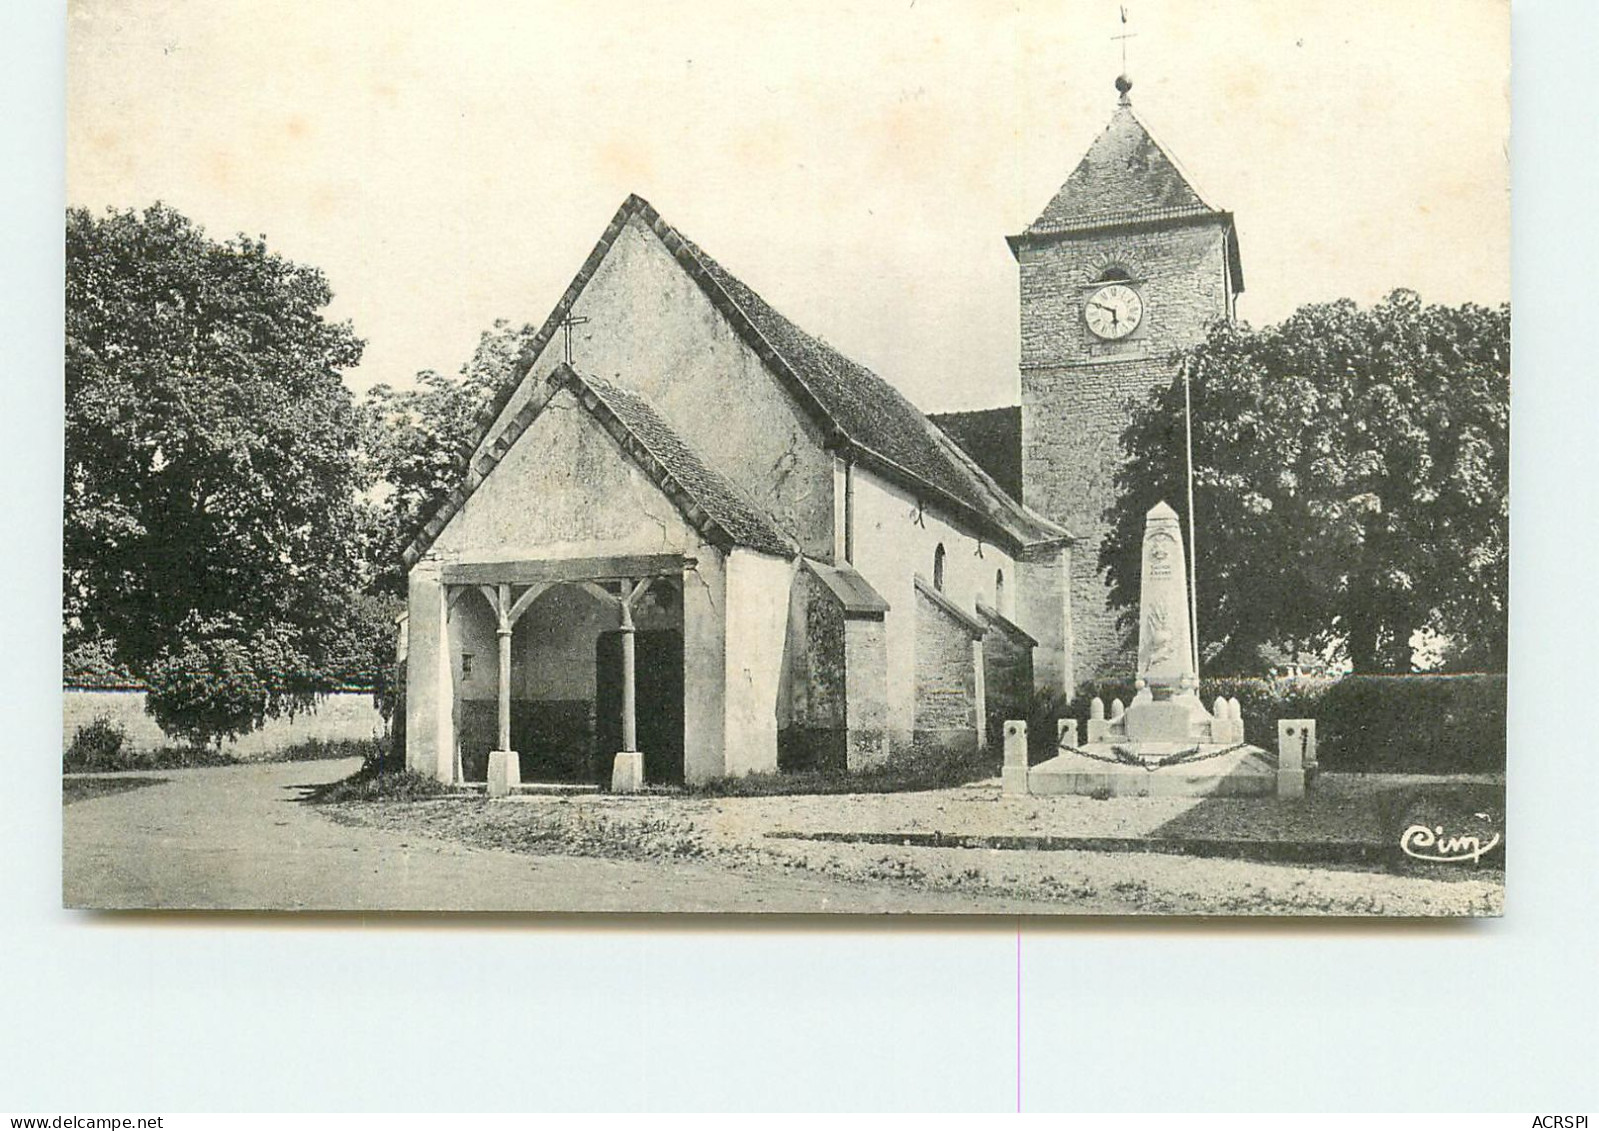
{"x":1193,"y":554}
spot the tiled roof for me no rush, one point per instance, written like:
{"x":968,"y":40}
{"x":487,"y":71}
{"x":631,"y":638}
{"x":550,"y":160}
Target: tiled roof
{"x":862,"y":415}
{"x":713,"y":505}
{"x":992,"y":437}
{"x":1125,"y":177}
{"x":873,"y":418}
{"x":1127,"y":181}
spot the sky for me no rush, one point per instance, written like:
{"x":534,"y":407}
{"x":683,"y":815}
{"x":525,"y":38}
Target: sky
{"x":859,"y":164}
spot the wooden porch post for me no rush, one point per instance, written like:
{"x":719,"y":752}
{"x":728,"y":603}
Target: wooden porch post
{"x":505,"y":766}
{"x":627,"y":774}
{"x":504,"y":608}
{"x":629,"y":701}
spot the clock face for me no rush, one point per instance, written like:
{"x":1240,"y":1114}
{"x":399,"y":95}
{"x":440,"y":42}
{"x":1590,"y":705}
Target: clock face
{"x":1113,"y":312}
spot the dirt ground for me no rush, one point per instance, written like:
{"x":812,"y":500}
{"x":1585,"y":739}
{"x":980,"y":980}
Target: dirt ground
{"x":240,"y":838}
{"x":820,"y":835}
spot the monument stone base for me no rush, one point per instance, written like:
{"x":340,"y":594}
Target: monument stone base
{"x":505,"y":772}
{"x":627,"y":772}
{"x":1243,"y":771}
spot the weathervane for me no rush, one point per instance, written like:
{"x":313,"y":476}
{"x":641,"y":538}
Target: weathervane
{"x":1123,"y":83}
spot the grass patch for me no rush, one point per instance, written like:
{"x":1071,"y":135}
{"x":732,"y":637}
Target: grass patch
{"x":124,"y":760}
{"x":328,"y":749}
{"x":82,"y":789}
{"x":373,"y":783}
{"x":910,"y":771}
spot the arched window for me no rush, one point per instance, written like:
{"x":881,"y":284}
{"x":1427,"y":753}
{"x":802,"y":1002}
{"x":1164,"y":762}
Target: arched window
{"x":938,"y":568}
{"x":1114,"y":275}
{"x":999,"y":590}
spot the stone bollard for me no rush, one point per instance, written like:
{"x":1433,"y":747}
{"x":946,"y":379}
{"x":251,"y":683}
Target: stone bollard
{"x":1116,"y":709}
{"x":1066,"y":732}
{"x":1097,"y":723}
{"x":1013,"y":778}
{"x":505,"y":772}
{"x":1291,"y":739}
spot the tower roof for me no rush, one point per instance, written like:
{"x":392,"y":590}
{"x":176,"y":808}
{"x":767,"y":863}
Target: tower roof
{"x":1125,"y":177}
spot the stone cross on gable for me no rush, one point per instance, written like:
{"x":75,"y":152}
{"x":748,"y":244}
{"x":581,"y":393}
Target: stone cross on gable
{"x":566,"y":324}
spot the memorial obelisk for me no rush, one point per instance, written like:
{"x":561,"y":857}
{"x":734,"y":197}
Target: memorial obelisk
{"x":1164,"y":742}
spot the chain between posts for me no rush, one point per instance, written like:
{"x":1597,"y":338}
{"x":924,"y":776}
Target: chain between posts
{"x":1121,"y":756}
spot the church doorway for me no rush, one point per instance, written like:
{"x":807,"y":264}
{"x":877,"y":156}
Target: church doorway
{"x":658,"y":687}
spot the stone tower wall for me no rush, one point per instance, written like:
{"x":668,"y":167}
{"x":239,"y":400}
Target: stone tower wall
{"x":1077,"y":391}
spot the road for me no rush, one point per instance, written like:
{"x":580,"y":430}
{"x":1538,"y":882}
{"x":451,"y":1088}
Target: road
{"x":240,"y":838}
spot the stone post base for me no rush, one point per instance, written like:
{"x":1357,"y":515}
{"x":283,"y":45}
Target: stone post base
{"x":505,"y":772}
{"x":1290,"y":783}
{"x":1013,"y":775}
{"x":627,"y":772}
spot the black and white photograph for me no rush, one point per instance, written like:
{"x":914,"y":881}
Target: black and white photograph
{"x":961,"y":459}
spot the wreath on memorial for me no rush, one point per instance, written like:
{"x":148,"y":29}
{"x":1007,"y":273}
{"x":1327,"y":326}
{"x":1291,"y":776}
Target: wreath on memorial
{"x":1124,"y":756}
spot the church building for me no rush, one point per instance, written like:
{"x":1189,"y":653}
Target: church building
{"x":694,"y":540}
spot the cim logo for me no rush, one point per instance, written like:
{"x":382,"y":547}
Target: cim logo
{"x":1560,"y":1121}
{"x":1424,"y":842}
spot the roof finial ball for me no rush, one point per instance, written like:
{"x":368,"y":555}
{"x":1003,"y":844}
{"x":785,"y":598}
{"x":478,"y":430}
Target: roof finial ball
{"x":1123,"y":85}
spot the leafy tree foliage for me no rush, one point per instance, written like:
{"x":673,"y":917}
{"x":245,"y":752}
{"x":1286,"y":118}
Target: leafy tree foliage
{"x":1351,"y":484}
{"x":211,"y":467}
{"x":420,"y":438}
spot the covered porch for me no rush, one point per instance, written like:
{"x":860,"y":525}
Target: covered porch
{"x":566,"y":671}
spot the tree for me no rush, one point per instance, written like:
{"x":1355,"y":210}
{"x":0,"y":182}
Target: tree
{"x":1351,"y":484}
{"x":211,"y":460}
{"x":419,"y":440}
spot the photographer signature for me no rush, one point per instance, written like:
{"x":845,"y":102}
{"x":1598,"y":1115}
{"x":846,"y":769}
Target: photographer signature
{"x":1450,"y":849}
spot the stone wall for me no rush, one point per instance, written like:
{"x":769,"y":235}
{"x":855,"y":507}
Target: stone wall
{"x":946,"y":680}
{"x":812,"y":724}
{"x":344,"y":715}
{"x":1077,"y":391}
{"x":1007,"y":671}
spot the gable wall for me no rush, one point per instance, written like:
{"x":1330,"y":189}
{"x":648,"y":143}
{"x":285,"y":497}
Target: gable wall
{"x":651,"y":328}
{"x":566,"y":490}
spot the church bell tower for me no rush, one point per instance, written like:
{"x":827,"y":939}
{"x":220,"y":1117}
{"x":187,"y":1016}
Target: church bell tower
{"x":1124,"y":268}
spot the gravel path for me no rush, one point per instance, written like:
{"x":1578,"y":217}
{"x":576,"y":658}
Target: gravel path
{"x":735,"y":832}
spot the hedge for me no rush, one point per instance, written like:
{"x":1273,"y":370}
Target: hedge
{"x":1414,"y":723}
{"x":1377,"y":724}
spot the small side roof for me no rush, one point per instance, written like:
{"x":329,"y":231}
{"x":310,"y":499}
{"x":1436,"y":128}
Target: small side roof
{"x":965,"y":619}
{"x":852,"y":590}
{"x":1009,"y":627}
